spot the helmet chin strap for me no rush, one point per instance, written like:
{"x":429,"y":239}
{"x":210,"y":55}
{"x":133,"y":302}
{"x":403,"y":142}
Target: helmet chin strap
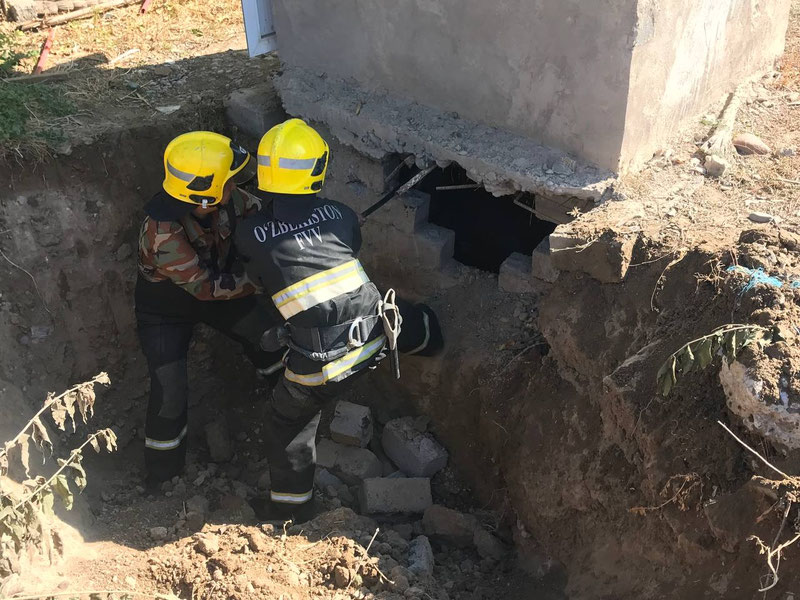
{"x":205,"y":203}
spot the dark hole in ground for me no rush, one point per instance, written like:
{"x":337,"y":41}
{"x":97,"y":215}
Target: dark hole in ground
{"x":488,"y":229}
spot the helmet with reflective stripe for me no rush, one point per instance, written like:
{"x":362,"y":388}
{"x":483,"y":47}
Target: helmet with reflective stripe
{"x":197,"y":165}
{"x":292,"y":159}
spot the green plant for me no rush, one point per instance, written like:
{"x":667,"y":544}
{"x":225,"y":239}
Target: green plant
{"x":21,"y":104}
{"x":10,"y":57}
{"x":728,"y":340}
{"x":20,"y":513}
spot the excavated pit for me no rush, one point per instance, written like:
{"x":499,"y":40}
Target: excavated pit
{"x":545,"y":398}
{"x":487,"y":229}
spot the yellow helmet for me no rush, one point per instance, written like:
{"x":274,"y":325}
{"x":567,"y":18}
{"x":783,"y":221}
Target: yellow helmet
{"x":292,"y":159}
{"x":197,"y":165}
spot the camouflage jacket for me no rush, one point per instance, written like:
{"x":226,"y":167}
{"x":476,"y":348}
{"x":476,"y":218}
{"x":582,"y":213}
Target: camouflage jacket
{"x":197,"y":259}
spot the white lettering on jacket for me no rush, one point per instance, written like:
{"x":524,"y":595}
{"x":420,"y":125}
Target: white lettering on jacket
{"x":304,"y":233}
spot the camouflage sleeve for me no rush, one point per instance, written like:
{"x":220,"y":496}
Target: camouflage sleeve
{"x":166,"y":250}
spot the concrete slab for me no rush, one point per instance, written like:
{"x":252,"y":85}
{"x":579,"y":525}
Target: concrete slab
{"x":378,"y":124}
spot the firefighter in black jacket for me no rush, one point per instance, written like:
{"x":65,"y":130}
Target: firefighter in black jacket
{"x":302,"y":250}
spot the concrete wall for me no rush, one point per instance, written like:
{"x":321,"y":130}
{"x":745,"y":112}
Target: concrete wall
{"x":689,"y":54}
{"x":554,"y":70}
{"x":609,"y":80}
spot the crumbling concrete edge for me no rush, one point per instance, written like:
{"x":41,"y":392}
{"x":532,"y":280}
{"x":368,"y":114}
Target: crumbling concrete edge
{"x":377,"y":124}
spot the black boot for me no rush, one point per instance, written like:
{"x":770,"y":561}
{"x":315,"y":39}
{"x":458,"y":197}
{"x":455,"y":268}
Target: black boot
{"x":267,"y":510}
{"x":435,"y":343}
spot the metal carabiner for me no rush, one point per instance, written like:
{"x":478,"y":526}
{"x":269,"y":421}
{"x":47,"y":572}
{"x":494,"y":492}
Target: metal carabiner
{"x":354,"y":339}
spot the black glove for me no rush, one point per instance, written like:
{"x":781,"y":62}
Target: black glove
{"x":274,"y":339}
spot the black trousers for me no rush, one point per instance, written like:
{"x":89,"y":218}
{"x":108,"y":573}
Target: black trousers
{"x":166,"y":316}
{"x":294,"y":413}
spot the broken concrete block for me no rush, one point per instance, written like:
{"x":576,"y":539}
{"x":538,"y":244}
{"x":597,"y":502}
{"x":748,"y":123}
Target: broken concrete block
{"x":406,"y":212}
{"x":541,"y":263}
{"x":254,"y":110}
{"x":414,"y":452}
{"x":403,"y":495}
{"x":351,"y":464}
{"x":219,"y":441}
{"x":515,"y":274}
{"x":351,"y":424}
{"x":487,"y":545}
{"x":605,"y":258}
{"x":450,"y":525}
{"x":420,"y":557}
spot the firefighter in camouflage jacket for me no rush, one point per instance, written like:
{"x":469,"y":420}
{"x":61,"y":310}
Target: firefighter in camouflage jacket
{"x":189,"y":274}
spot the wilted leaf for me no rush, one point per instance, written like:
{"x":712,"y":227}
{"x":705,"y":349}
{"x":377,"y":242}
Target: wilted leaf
{"x":79,"y":477}
{"x":24,"y":454}
{"x":61,"y":488}
{"x":103,"y":378}
{"x":62,"y":408}
{"x":46,"y":501}
{"x":685,"y":360}
{"x":40,"y":436}
{"x":110,"y":439}
{"x":729,"y":345}
{"x":3,"y":463}
{"x":704,"y":353}
{"x":95,"y":444}
{"x":666,"y":377}
{"x":85,"y":399}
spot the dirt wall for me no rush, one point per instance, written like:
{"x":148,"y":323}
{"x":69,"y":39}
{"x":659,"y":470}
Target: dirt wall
{"x":618,"y":491}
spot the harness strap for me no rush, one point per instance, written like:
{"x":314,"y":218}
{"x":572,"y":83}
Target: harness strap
{"x":352,"y":334}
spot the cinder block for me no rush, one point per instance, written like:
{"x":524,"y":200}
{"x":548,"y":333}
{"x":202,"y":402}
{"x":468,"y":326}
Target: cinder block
{"x":385,"y":495}
{"x":406,"y":212}
{"x":351,"y":424}
{"x":416,"y":453}
{"x":351,"y":464}
{"x":541,"y":263}
{"x":433,"y":245}
{"x":255,"y":110}
{"x":515,"y":274}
